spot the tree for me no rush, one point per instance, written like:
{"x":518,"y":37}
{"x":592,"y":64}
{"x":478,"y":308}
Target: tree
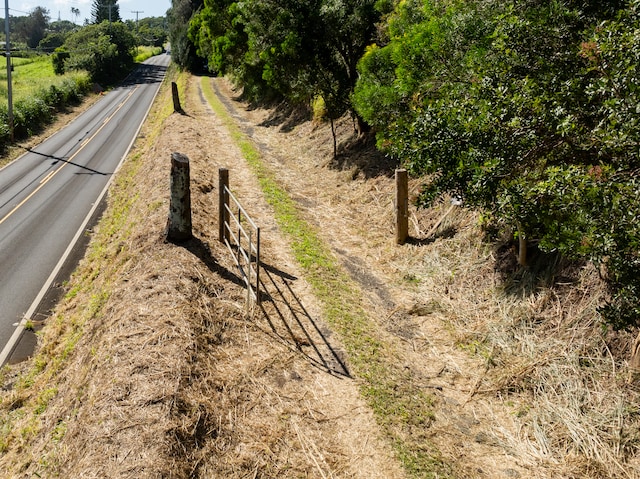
{"x":104,"y":50}
{"x":61,"y":26}
{"x":76,"y":13}
{"x":183,"y":51}
{"x":52,"y":41}
{"x":302,"y":50}
{"x":527,"y":110}
{"x":105,"y":10}
{"x":149,"y":31}
{"x":311,"y":48}
{"x":217,"y":31}
{"x":33,"y":27}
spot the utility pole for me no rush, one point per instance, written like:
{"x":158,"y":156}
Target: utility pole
{"x":8,"y":54}
{"x":137,"y":12}
{"x":137,"y":29}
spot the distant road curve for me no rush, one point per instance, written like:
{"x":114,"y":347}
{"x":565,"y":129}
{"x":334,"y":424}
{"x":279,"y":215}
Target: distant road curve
{"x":49,"y":194}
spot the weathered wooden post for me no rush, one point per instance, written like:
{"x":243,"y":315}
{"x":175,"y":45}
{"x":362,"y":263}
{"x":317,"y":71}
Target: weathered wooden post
{"x":522,"y":246}
{"x":402,"y":206}
{"x":176,"y":98}
{"x":179,"y":222}
{"x":223,"y":204}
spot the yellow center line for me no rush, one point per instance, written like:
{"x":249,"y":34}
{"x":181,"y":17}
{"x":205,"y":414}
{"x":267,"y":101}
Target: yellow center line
{"x":51,"y":174}
{"x":46,"y":178}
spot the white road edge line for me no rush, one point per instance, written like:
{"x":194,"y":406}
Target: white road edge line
{"x":17,"y":334}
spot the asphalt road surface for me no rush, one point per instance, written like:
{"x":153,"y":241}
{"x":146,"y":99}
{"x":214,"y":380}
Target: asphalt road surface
{"x":48,"y":195}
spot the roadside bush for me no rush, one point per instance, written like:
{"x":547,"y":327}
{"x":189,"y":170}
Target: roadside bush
{"x":69,"y":92}
{"x":5,"y":134}
{"x":30,"y":115}
{"x":526,"y":110}
{"x":58,"y":58}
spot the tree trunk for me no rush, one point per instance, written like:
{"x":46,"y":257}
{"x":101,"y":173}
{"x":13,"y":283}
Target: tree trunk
{"x":522,"y":247}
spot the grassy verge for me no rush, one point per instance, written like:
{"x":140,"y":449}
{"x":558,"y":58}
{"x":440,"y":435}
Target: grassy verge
{"x":143,"y":53}
{"x":403,"y":411}
{"x":32,"y":75}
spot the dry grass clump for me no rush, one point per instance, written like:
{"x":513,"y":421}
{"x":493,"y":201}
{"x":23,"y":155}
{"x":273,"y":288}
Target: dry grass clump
{"x":541,"y":352}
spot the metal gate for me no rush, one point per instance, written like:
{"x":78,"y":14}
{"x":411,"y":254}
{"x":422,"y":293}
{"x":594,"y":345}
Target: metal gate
{"x":242,"y":236}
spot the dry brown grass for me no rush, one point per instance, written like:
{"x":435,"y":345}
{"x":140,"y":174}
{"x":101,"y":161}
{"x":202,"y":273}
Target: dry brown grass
{"x":529,"y":382}
{"x":150,"y":368}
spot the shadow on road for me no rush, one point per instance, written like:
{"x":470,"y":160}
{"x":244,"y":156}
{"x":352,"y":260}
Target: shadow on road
{"x":145,"y":73}
{"x":64,"y":160}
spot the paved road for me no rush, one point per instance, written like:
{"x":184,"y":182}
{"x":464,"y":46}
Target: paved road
{"x":48,"y":195}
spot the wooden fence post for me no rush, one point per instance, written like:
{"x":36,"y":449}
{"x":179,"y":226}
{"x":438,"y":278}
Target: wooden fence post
{"x":223,"y":204}
{"x":522,"y":246}
{"x":402,"y":206}
{"x":179,"y":222}
{"x":176,"y":98}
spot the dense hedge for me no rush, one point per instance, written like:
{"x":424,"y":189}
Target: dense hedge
{"x":526,"y":110}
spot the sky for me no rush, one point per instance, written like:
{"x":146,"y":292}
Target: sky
{"x":62,"y":8}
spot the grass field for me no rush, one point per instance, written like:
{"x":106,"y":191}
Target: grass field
{"x":33,"y":74}
{"x":143,"y":52}
{"x":30,"y":75}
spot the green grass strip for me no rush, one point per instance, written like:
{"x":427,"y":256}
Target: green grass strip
{"x":402,"y":410}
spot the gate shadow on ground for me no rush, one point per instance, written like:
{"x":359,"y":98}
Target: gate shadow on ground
{"x":291,"y":322}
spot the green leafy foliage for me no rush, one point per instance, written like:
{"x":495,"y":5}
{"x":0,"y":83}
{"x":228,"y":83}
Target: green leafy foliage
{"x":149,"y":31}
{"x":32,"y":28}
{"x":33,"y":112}
{"x":103,"y":50}
{"x":527,"y":110}
{"x":105,"y":11}
{"x":58,"y":58}
{"x":183,"y":51}
{"x":300,"y":50}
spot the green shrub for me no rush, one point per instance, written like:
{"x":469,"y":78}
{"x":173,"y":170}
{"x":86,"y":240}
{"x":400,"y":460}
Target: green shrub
{"x":34,"y":113}
{"x":59,"y":58}
{"x":526,"y":110}
{"x":30,"y":115}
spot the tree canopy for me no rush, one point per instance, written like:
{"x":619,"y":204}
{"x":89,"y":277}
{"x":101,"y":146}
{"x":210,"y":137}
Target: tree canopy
{"x":32,"y":28}
{"x":104,"y":50}
{"x":183,"y":51}
{"x":301,"y":51}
